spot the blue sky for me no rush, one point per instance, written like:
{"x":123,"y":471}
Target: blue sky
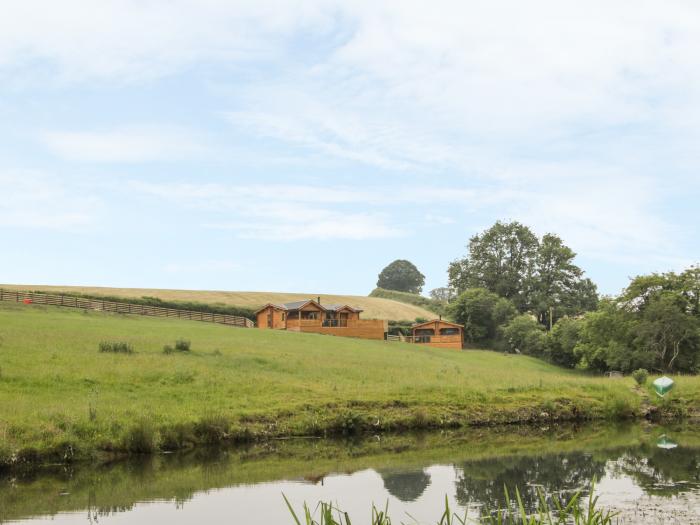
{"x":302,"y":146}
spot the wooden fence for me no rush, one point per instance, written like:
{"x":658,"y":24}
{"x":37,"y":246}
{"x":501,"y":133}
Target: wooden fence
{"x":123,"y":308}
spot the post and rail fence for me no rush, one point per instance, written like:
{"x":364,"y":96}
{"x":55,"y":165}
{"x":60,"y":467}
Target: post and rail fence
{"x":72,"y":301}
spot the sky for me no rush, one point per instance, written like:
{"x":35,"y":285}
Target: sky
{"x":302,"y":146}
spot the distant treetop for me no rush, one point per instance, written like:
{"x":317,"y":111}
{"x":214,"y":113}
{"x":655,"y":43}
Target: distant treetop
{"x":403,"y":276}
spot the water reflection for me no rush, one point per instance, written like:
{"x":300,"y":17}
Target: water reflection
{"x":406,"y":486}
{"x":483,"y":481}
{"x":412,"y":473}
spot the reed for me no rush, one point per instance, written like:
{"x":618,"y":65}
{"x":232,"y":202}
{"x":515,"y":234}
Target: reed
{"x":549,"y":511}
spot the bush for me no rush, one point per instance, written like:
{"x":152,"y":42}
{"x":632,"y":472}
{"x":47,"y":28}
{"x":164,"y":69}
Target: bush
{"x":640,"y":376}
{"x":182,"y":345}
{"x":116,"y":347}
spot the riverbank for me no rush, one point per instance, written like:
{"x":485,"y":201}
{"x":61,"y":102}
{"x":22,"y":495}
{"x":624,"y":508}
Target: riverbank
{"x":62,"y":400}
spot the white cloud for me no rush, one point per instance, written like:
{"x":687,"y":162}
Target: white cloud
{"x":313,"y":224}
{"x":41,"y":201}
{"x":131,"y":144}
{"x":130,"y":40}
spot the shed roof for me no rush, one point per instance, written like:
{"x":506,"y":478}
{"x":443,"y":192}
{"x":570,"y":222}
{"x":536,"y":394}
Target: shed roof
{"x":441,"y":321}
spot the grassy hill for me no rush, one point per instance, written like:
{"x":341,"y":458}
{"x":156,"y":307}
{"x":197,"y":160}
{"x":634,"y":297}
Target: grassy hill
{"x":60,"y":398}
{"x":374,"y":307}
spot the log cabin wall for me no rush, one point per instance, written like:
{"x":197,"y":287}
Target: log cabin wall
{"x":278,"y":318}
{"x":439,"y":334}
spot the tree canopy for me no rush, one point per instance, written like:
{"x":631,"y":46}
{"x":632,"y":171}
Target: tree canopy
{"x":654,"y":324}
{"x":537,"y":275}
{"x":403,"y":276}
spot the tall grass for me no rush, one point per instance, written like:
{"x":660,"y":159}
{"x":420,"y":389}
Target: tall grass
{"x":116,"y":347}
{"x":549,"y":511}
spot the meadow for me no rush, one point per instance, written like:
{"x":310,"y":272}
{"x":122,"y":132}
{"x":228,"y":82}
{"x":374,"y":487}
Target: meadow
{"x":373,"y":307}
{"x":62,"y":399}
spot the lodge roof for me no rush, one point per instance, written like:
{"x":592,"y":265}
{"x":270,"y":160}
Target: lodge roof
{"x":433,"y":321}
{"x":297,"y":305}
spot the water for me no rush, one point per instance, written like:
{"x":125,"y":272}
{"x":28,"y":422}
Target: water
{"x":650,"y":474}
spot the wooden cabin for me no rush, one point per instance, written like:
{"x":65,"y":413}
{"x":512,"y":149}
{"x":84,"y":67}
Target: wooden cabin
{"x":312,"y":316}
{"x":438,"y":333}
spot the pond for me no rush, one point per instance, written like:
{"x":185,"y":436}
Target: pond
{"x":650,"y":474}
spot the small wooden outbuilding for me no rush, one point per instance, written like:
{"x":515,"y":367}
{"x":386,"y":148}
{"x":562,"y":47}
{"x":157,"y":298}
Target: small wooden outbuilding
{"x":438,"y":333}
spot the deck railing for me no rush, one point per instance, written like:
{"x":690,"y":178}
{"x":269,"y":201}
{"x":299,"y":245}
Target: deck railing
{"x":335,"y":323}
{"x":427,"y":339}
{"x":72,"y":301}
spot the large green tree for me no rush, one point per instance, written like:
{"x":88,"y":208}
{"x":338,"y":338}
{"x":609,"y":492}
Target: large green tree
{"x":538,"y":276}
{"x":501,"y":260}
{"x":402,"y":276}
{"x":558,"y":288}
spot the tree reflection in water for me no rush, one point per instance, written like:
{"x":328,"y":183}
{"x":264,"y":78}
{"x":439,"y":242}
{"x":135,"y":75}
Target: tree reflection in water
{"x":482,"y":482}
{"x":660,"y":472}
{"x":406,"y":486}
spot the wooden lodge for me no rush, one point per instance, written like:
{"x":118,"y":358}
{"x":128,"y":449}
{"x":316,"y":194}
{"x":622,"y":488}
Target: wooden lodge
{"x":312,"y":316}
{"x":438,"y":333}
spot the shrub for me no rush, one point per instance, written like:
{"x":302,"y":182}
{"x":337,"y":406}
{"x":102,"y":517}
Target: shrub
{"x":116,"y":347}
{"x":182,"y":345}
{"x":640,"y":376}
{"x":167,"y":349}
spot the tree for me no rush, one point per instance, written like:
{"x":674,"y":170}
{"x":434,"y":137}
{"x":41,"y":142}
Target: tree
{"x":501,"y":260}
{"x":443,"y":295}
{"x":539,"y":276}
{"x":524,"y":334}
{"x":558,"y":286}
{"x":401,"y":276}
{"x":666,"y":332}
{"x":481,"y":313}
{"x":562,"y":341}
{"x":654,"y":324}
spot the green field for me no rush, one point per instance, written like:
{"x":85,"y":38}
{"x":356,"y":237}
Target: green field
{"x":60,"y":398}
{"x":373,"y":307}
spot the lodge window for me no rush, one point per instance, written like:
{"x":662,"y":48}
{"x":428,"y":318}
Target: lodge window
{"x":309,"y":315}
{"x":449,"y":331}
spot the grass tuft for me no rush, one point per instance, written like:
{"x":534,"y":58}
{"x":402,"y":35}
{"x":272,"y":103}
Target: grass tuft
{"x":116,"y":347}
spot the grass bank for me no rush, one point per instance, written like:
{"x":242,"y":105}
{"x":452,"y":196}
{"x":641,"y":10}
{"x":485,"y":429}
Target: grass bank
{"x":61,"y":399}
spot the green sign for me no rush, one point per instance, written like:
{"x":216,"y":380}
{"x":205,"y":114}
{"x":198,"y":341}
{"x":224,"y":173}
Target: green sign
{"x":663,"y":385}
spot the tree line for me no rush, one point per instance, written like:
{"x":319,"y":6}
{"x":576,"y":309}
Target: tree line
{"x":519,"y":293}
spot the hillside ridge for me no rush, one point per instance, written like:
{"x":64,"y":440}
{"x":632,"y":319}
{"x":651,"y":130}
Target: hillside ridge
{"x":373,"y":307}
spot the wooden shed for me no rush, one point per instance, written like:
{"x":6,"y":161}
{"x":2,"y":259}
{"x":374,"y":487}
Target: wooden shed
{"x":438,"y":333}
